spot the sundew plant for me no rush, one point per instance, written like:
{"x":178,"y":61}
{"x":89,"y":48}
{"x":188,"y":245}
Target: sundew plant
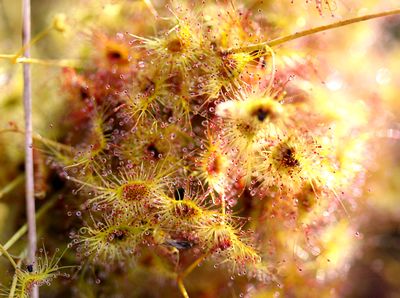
{"x":199,"y":148}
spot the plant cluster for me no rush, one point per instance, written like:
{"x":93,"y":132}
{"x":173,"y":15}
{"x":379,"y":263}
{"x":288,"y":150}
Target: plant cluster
{"x":203,"y":144}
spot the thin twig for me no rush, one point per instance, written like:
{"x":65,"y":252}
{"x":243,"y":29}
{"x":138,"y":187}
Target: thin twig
{"x":283,"y":39}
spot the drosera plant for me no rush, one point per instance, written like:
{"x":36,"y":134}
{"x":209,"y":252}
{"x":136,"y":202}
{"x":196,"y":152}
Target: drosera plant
{"x":247,"y":122}
{"x":229,"y":70}
{"x":179,"y":49}
{"x":42,"y":273}
{"x":257,"y":140}
{"x":113,"y":240}
{"x":186,"y":152}
{"x":29,"y":275}
{"x":89,"y":150}
{"x":297,"y":161}
{"x":136,"y":189}
{"x":212,"y":164}
{"x":225,"y":238}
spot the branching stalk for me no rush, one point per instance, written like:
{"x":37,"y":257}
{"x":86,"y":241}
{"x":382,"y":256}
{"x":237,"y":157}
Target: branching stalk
{"x":20,"y":56}
{"x":284,"y":39}
{"x":34,"y":40}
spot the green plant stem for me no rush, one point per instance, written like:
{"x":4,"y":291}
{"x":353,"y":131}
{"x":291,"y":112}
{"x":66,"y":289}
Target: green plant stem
{"x":15,"y":280}
{"x":7,"y":56}
{"x":39,"y":138}
{"x":45,"y":62}
{"x":34,"y":40}
{"x":49,"y":62}
{"x":194,"y":265}
{"x":151,"y":8}
{"x":284,"y":39}
{"x":4,"y":251}
{"x":187,"y":271}
{"x":182,"y":288}
{"x":10,"y":186}
{"x":24,"y":228}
